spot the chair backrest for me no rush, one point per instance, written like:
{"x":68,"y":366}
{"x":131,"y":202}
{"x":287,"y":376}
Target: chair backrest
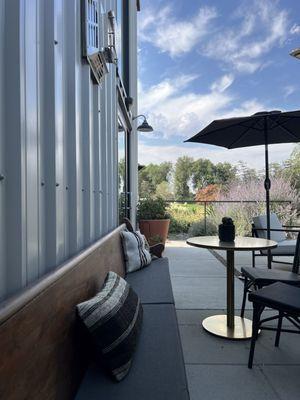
{"x":260,"y":222}
{"x":297,"y":256}
{"x":42,"y":356}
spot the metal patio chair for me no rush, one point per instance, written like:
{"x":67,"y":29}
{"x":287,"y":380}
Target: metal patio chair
{"x":256,"y":278}
{"x":285,"y":248}
{"x":283,"y":298}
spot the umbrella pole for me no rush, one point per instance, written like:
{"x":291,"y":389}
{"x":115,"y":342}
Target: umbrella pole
{"x":267,"y":187}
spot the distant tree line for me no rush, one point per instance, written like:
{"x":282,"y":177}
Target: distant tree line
{"x":182,"y":180}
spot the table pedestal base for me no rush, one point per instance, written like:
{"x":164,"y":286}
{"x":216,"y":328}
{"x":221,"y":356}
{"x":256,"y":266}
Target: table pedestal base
{"x":217,"y":325}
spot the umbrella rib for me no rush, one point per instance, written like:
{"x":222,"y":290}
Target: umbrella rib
{"x":220,"y":129}
{"x":252,"y":127}
{"x":287,"y":130}
{"x":236,"y":140}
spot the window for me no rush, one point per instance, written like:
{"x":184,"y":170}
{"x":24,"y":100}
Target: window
{"x":91,"y":38}
{"x":91,"y":26}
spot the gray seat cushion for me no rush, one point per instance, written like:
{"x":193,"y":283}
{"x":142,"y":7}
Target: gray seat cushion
{"x":264,"y":276}
{"x":279,"y":296}
{"x":286,"y":247}
{"x":260,"y":222}
{"x":152,"y":283}
{"x":157,"y":371}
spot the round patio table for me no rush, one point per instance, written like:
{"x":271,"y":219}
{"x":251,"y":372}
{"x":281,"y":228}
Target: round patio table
{"x":230,"y":326}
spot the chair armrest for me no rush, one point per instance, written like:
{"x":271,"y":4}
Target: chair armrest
{"x":277,"y":230}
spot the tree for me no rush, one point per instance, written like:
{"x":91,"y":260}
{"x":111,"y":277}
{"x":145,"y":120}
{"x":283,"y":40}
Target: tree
{"x":182,"y":176}
{"x":245,"y":173}
{"x":209,"y":193}
{"x":225,"y":173}
{"x":292,"y":167}
{"x":203,"y":173}
{"x":158,"y":173}
{"x":164,"y":191}
{"x":275,"y":170}
{"x":121,"y":173}
{"x":151,"y":176}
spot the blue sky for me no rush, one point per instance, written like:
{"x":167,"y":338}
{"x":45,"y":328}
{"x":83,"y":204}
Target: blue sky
{"x":203,"y":60}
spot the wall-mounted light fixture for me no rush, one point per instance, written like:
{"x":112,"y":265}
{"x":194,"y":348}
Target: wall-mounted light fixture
{"x":295,"y":53}
{"x":144,"y":127}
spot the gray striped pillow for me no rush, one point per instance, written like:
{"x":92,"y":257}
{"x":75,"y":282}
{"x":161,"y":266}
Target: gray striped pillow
{"x":113,"y":318}
{"x":136,"y":250}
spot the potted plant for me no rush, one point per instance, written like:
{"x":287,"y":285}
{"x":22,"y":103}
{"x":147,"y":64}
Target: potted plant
{"x":153,"y":219}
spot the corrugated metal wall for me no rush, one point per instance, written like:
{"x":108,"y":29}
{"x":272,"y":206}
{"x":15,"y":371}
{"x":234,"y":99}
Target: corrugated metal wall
{"x":58,"y":141}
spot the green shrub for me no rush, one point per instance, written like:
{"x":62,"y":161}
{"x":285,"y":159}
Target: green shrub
{"x":151,"y":208}
{"x":183,"y":215}
{"x":198,"y":228}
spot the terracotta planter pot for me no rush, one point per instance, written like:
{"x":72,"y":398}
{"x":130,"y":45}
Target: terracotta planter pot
{"x":155,"y":230}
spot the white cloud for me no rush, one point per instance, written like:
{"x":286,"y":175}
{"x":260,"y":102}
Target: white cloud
{"x":253,"y":156}
{"x":176,"y":110}
{"x":295,"y":29}
{"x":154,"y":96}
{"x":288,"y":90}
{"x":259,"y":28}
{"x":172,"y":35}
{"x":223,"y":83}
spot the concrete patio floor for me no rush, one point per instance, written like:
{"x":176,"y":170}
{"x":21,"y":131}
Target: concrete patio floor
{"x":217,"y":368}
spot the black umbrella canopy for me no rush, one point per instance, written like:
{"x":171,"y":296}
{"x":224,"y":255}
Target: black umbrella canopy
{"x":262,"y":128}
{"x":279,"y":127}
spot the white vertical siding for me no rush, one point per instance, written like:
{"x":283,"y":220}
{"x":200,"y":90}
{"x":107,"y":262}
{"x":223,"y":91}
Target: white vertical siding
{"x":58,"y":141}
{"x":14,"y":158}
{"x":30,"y":118}
{"x":133,"y":93}
{"x":2,"y":154}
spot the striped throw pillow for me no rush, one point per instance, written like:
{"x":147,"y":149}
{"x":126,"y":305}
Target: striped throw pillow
{"x":136,"y":251}
{"x":113,"y":318}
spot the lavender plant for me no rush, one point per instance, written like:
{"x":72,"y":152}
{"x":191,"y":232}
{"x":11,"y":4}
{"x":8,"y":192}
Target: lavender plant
{"x":253,"y":189}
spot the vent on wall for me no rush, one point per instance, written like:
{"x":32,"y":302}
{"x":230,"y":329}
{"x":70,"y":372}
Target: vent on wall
{"x":91,"y":38}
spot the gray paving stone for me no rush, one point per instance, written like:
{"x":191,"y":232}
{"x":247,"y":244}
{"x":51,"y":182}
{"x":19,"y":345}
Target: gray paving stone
{"x":189,"y":253}
{"x":285,"y":380}
{"x":192,"y":317}
{"x":203,"y":293}
{"x":288,"y":352}
{"x":197,"y":268}
{"x":228,"y":382}
{"x":216,"y":367}
{"x":200,"y":347}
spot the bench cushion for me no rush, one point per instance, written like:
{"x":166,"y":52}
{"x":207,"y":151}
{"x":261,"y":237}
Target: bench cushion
{"x":158,"y":369}
{"x":152,"y":283}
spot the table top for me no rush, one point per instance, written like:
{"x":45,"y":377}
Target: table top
{"x":239,"y":244}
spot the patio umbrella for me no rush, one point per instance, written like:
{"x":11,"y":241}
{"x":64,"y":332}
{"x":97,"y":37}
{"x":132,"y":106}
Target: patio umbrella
{"x":262,"y":128}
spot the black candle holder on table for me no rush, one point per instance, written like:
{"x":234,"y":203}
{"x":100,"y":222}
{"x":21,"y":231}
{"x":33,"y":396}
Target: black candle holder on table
{"x":227,"y":230}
